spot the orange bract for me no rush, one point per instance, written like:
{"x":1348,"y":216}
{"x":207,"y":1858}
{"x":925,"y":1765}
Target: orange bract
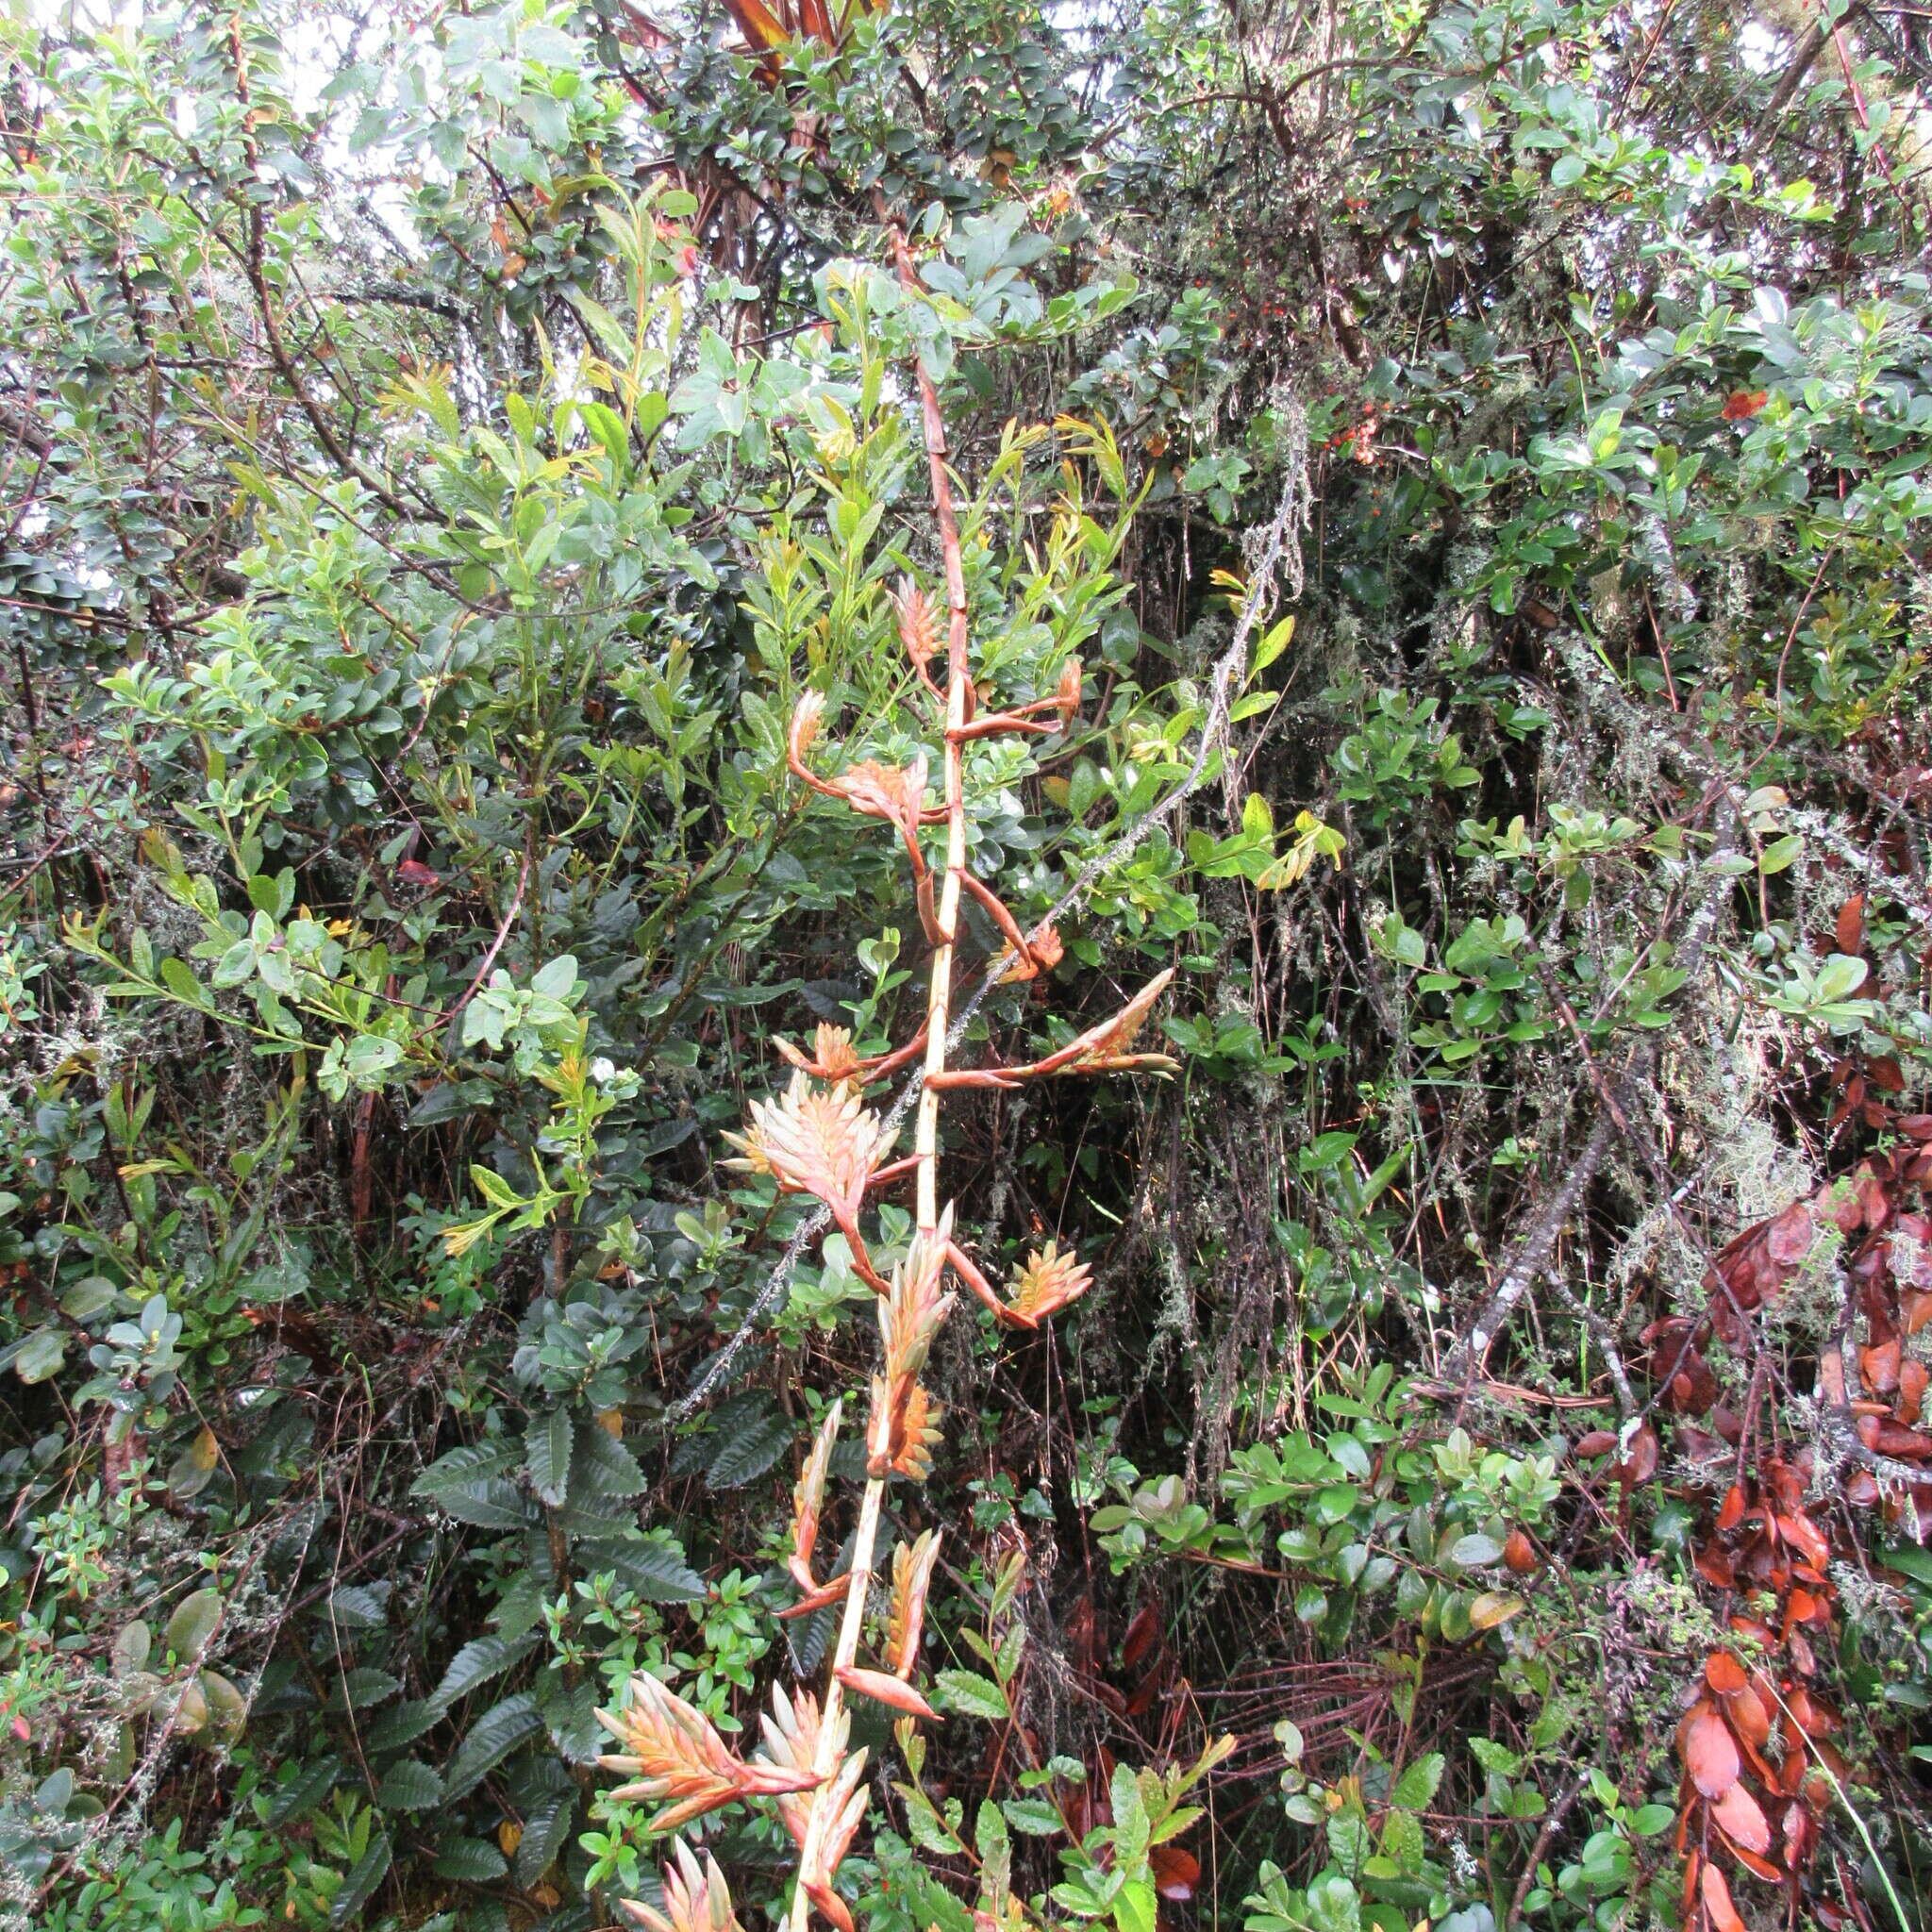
{"x":911,"y":1314}
{"x":893,"y":1692}
{"x":807,"y":1501}
{"x":916,"y":1435}
{"x":912,"y":1567}
{"x":1049,"y":1280}
{"x":831,"y":1059}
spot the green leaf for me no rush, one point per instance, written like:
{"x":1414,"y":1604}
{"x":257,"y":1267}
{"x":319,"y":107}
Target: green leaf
{"x":1134,"y":1907}
{"x":193,"y":1625}
{"x":478,"y":1662}
{"x":473,"y":1861}
{"x":557,"y":979}
{"x":302,"y":1794}
{"x":91,"y":1295}
{"x":546,"y":1831}
{"x":547,"y":1444}
{"x":472,"y":1485}
{"x":490,"y":1740}
{"x":404,"y":1725}
{"x":604,"y":1471}
{"x":1419,"y":1783}
{"x":967,"y":1691}
{"x":652,"y":1566}
{"x":362,"y":1689}
{"x":1472,"y":1552}
{"x":365,"y":1875}
{"x":1034,"y":1816}
{"x":750,"y":1451}
{"x":38,"y":1359}
{"x":409,"y":1785}
{"x":1839,"y":977}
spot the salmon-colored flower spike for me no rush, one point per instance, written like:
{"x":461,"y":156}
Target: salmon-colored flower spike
{"x":910,"y":1315}
{"x":885,"y":1690}
{"x":912,"y":1567}
{"x":822,"y":1822}
{"x":919,"y":631}
{"x":840,"y":1809}
{"x":674,"y":1751}
{"x":823,"y":1144}
{"x":790,"y":1743}
{"x":1102,"y":1049}
{"x":696,"y":1899}
{"x":808,"y":1502}
{"x":1048,"y":1282}
{"x":832,"y":1058}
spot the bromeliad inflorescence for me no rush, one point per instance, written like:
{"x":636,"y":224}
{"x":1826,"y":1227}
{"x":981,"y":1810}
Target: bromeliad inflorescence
{"x":819,"y":1138}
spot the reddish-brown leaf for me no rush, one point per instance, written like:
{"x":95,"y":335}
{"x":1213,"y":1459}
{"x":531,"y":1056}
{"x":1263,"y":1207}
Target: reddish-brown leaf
{"x":1731,"y":1512}
{"x":1716,"y":1566}
{"x":1799,"y":1833}
{"x":1709,"y":1751}
{"x":1718,"y":1907}
{"x":1175,"y":1871}
{"x":1886,"y":1073}
{"x":1597,"y":1442}
{"x":1725,"y":1674}
{"x":1742,"y":1819}
{"x":1742,"y":404}
{"x":1880,"y":1366}
{"x":1518,"y":1553}
{"x":1913,"y":1379}
{"x":1787,"y":1236}
{"x":1894,"y":1440}
{"x":1805,"y":1538}
{"x":1749,"y":1715}
{"x":1851,"y":925}
{"x":1142,"y":1634}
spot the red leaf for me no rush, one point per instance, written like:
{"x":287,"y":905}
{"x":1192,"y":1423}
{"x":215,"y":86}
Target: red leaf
{"x":1710,"y":1753}
{"x":1732,"y":1511}
{"x":1598,"y":1443}
{"x":413,"y":871}
{"x":1743,"y":402}
{"x":1518,"y":1553}
{"x":1742,"y":1819}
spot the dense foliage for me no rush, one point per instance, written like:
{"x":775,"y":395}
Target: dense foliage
{"x":1443,"y":561}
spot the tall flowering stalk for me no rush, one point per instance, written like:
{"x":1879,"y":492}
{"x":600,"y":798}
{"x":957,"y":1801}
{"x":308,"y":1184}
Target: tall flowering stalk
{"x":818,"y":1138}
